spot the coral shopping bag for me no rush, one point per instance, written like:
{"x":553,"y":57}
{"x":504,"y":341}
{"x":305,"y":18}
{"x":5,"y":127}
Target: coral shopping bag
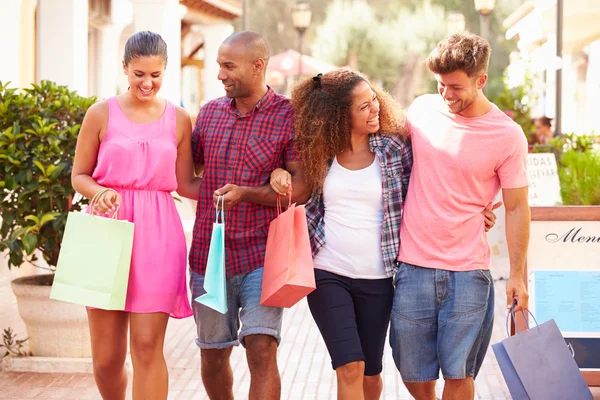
{"x":537,"y":365}
{"x":215,"y":281}
{"x":288,"y":274}
{"x":94,"y":260}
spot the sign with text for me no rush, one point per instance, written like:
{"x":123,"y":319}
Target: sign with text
{"x":542,"y":175}
{"x":563,"y":265}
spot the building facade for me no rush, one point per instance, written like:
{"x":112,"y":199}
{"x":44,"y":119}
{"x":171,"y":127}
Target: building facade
{"x":534,"y":24}
{"x":80,"y":43}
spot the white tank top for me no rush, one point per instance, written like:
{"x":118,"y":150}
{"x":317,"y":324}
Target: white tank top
{"x":353,"y":219}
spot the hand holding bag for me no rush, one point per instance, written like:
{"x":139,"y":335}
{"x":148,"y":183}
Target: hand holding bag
{"x":215,"y":280}
{"x":288,"y":274}
{"x":94,"y":260}
{"x":538,"y":365}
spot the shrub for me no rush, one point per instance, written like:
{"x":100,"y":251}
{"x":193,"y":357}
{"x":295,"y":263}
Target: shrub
{"x":579,"y":175}
{"x":38,"y":134}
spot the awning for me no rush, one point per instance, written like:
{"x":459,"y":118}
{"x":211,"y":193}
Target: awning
{"x":581,"y":25}
{"x":580,"y":22}
{"x":223,"y":9}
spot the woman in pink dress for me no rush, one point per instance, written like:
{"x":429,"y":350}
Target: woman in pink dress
{"x":139,"y":146}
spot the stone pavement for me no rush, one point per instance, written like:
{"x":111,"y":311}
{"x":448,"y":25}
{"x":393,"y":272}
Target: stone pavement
{"x":303,"y":361}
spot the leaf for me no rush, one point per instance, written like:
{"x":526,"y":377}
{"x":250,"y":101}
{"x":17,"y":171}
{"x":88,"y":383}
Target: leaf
{"x":49,"y":170}
{"x":33,"y":218}
{"x":29,"y":243}
{"x":40,"y":166}
{"x":17,"y":233}
{"x":58,"y":169}
{"x":48,"y":218}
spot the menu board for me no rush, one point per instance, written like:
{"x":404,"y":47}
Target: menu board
{"x":563,"y":265}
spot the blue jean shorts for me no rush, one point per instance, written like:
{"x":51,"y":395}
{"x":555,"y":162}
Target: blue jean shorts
{"x":440,"y":320}
{"x":220,"y":331}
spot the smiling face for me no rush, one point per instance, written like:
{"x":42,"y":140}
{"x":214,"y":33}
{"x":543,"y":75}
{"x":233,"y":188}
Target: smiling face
{"x":237,"y":70}
{"x":364,"y":110}
{"x":459,"y":90}
{"x":145,"y":76}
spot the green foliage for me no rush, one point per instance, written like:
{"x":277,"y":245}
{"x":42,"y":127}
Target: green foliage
{"x":574,"y":142}
{"x":516,"y":101}
{"x":13,"y":346}
{"x":578,"y":159}
{"x":38,"y":134}
{"x":579,"y":175}
{"x":389,"y":37}
{"x":356,"y":34}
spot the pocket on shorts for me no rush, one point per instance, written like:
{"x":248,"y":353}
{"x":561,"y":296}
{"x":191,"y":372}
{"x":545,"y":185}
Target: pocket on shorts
{"x":401,"y":272}
{"x":486,"y":275}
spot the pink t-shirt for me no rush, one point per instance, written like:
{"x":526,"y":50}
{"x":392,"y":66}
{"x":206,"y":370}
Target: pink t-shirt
{"x":460,"y":164}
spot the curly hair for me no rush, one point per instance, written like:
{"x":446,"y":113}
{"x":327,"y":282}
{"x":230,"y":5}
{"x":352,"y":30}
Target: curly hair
{"x":323,"y":120}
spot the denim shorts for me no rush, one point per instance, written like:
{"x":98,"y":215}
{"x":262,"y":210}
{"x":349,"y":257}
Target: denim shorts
{"x":219,"y":331}
{"x":440,"y":320}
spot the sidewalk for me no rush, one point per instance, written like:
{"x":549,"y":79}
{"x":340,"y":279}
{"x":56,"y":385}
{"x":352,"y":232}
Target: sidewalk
{"x":303,"y":362}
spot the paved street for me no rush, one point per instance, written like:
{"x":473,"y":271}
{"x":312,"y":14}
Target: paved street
{"x":303,"y":361}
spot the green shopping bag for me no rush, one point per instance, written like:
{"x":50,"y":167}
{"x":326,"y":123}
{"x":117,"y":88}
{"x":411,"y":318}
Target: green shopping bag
{"x":215,"y":281}
{"x":94,"y":260}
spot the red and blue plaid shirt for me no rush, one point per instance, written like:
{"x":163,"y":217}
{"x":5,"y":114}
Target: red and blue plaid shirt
{"x":242,"y":150}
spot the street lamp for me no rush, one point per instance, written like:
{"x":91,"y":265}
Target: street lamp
{"x":301,"y":18}
{"x":484,"y":8}
{"x":456,"y":22}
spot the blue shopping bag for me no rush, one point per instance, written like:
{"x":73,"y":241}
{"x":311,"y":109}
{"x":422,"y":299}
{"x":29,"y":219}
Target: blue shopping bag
{"x":538,"y":365}
{"x":215,"y":281}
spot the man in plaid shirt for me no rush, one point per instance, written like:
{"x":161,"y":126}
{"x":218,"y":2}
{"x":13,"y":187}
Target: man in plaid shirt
{"x":238,"y":140}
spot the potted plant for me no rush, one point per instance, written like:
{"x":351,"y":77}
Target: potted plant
{"x":38,"y":135}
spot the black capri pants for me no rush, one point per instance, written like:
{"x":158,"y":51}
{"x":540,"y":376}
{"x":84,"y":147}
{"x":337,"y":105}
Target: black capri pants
{"x":353,"y":316}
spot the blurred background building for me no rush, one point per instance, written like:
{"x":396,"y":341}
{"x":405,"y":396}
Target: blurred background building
{"x":80,"y":43}
{"x":534,"y":24}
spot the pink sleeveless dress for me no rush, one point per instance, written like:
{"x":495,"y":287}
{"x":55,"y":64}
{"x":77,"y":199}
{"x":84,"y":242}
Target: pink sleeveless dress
{"x":138,"y":161}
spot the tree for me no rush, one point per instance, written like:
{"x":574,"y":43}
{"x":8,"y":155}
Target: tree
{"x":389,"y":49}
{"x":386,"y":39}
{"x":272,"y":19}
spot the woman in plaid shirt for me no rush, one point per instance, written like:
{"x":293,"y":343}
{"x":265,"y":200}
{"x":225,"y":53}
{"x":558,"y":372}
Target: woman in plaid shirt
{"x":357,"y":160}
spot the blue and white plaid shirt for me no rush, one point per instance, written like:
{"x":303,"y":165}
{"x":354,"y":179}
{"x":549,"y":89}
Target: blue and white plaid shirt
{"x":395,"y":159}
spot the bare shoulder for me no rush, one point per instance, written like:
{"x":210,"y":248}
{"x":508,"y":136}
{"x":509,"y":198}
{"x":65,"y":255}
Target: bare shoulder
{"x":184,"y":124}
{"x":182,"y":114}
{"x":96,"y":120}
{"x":98,"y":111}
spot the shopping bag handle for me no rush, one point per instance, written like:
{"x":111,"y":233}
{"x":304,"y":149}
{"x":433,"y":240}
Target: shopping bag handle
{"x":512,"y":313}
{"x":220,"y":198}
{"x":279,"y":209}
{"x":97,"y":196}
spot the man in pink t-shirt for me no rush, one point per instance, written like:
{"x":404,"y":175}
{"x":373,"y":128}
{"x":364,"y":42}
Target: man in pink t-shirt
{"x":465,"y":151}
